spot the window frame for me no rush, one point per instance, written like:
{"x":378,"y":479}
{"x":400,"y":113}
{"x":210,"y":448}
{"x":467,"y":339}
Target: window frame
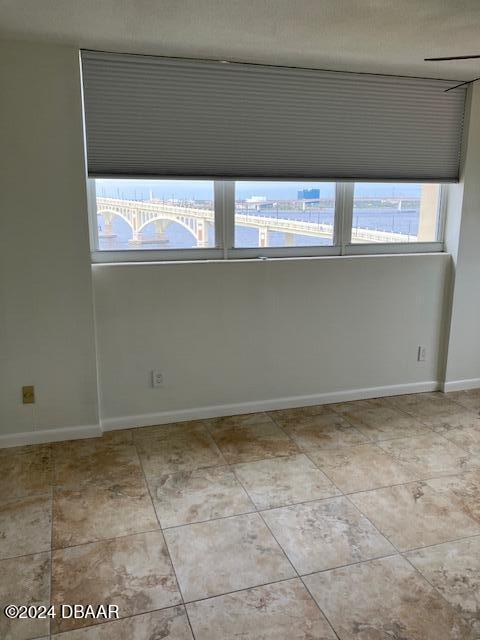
{"x":224,"y":206}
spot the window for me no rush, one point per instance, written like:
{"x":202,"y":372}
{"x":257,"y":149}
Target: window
{"x":252,"y":136}
{"x":154,"y":214}
{"x":155,"y":220}
{"x":395,"y":213}
{"x":284,"y":214}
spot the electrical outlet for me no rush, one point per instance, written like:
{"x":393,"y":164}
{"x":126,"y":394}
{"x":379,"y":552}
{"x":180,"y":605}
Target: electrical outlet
{"x":157,"y":379}
{"x":422,"y":354}
{"x":28,"y":394}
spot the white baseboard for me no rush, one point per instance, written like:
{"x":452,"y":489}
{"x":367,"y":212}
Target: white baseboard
{"x":215,"y":411}
{"x":49,"y":435}
{"x":461,"y":385}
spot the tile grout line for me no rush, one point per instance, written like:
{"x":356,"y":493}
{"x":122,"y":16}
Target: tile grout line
{"x":231,"y":468}
{"x":439,"y":544}
{"x":369,"y":440}
{"x":443,"y":437}
{"x":350,"y":426}
{"x":180,"y":593}
{"x":462,"y":448}
{"x":195,"y":522}
{"x":320,"y":608}
{"x":254,"y":510}
{"x":94,"y":625}
{"x":378,"y":444}
{"x":306,"y":453}
{"x":404,"y":484}
{"x":388,"y":406}
{"x":419,"y":419}
{"x":99,"y":482}
{"x":257,"y":511}
{"x":398,"y":552}
{"x":450,"y":605}
{"x":345,"y":494}
{"x":283,"y":550}
{"x":100,"y":540}
{"x":229,"y":593}
{"x":326,"y":449}
{"x":356,"y":508}
{"x":401,"y":554}
{"x":297,"y":574}
{"x":292,"y":565}
{"x":446,"y":394}
{"x":273,"y":536}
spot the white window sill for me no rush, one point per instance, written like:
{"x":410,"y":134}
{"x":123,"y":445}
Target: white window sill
{"x":195,"y":256}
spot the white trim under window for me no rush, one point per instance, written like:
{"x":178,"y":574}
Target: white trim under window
{"x":224,"y":225}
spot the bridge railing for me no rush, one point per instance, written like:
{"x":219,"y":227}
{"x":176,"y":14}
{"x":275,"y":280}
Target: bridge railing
{"x":149,"y":211}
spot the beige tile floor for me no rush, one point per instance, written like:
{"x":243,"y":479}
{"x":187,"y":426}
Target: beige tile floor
{"x":354,"y":521}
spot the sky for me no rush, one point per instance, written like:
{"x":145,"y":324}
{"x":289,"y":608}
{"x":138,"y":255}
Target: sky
{"x":203,"y":189}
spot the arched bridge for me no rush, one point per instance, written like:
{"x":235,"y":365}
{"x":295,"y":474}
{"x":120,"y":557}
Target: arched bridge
{"x":139,"y":214}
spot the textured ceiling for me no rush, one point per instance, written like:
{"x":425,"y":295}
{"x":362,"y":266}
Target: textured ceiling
{"x":389,"y":36}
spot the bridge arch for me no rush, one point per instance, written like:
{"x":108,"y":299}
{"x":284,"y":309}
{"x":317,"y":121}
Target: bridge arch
{"x":111,"y":212}
{"x":160,"y":216}
{"x":172,"y":218}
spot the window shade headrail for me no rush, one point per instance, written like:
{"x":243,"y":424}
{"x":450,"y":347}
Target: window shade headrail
{"x":167,"y":117}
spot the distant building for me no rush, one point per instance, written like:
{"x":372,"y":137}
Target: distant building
{"x":256,"y":199}
{"x":308,"y":194}
{"x":256,"y":203}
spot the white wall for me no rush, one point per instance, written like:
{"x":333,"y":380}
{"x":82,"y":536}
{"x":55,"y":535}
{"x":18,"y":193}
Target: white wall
{"x":463,"y":364}
{"x":223,"y":333}
{"x":46,"y":312}
{"x":236,"y":332}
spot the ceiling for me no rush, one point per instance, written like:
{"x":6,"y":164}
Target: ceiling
{"x":379,"y":36}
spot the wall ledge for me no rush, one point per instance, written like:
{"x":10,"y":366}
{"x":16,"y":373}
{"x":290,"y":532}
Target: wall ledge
{"x":461,"y":385}
{"x":215,"y":411}
{"x":49,"y":435}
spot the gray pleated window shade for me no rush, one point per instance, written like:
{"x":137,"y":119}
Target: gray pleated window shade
{"x":148,"y":116}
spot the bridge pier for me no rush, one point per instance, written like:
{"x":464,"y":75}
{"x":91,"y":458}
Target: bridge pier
{"x":263,"y":236}
{"x":108,"y":231}
{"x":202,"y":233}
{"x":136,"y":238}
{"x":289,"y":239}
{"x":160,"y":231}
